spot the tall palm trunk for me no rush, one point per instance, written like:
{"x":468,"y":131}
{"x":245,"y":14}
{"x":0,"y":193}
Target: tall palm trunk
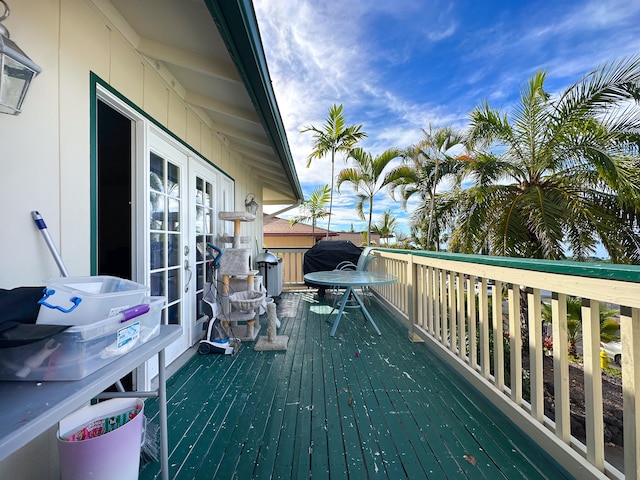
{"x":370,"y":217}
{"x":433,"y":201}
{"x":333,"y":155}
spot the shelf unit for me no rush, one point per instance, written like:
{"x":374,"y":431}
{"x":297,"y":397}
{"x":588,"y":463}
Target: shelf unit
{"x":235,"y":267}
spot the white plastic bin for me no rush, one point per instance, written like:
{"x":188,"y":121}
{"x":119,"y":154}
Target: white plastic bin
{"x":82,"y":300}
{"x":112,"y":455}
{"x":80,"y":351}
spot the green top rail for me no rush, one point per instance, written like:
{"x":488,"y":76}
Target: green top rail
{"x":603,"y":270}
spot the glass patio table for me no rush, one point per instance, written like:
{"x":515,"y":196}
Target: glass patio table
{"x":350,"y":279}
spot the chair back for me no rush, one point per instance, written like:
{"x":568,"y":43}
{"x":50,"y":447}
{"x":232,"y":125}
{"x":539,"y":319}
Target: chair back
{"x":365,"y":259}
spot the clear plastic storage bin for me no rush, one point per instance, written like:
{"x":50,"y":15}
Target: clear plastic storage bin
{"x":81,"y":350}
{"x":81,"y":300}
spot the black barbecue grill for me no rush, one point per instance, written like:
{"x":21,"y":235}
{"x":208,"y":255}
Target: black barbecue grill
{"x":326,"y":255}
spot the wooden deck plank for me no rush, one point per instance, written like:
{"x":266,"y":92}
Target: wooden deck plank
{"x":383,"y":456}
{"x":210,"y":446}
{"x":300,"y":465}
{"x":196,"y":416}
{"x":408,"y":441}
{"x":251,"y":463}
{"x":318,"y":450}
{"x":288,"y":414}
{"x":242,"y":420}
{"x":401,"y":374}
{"x":290,"y":406}
{"x":333,"y":394}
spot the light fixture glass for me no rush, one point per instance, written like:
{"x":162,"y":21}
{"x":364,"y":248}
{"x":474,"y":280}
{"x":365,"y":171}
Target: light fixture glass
{"x":16,"y":71}
{"x":250,"y":204}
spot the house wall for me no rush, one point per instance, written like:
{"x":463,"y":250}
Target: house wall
{"x":46,"y":149}
{"x":288,"y":241}
{"x":45,"y":152}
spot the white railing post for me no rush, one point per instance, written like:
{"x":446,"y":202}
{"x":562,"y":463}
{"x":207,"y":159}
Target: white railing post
{"x":536,"y":352}
{"x":593,"y":382}
{"x":413,"y":298}
{"x":462,"y":330}
{"x":561,"y":366}
{"x":472,"y":322}
{"x":498,"y":336}
{"x":453,"y":324}
{"x":630,"y":332}
{"x":515,"y":343}
{"x":485,"y":369}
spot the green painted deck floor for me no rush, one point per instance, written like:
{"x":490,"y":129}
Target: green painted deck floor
{"x":355,"y":406}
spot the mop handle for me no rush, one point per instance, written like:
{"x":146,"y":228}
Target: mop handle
{"x":49,"y":241}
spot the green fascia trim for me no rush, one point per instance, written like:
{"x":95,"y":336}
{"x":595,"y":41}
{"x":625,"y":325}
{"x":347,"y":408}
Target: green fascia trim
{"x":608,"y":271}
{"x":237,"y":24}
{"x":93,"y":175}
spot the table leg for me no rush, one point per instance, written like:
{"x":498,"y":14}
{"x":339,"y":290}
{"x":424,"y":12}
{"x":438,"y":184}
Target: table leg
{"x":162,"y":407}
{"x":366,"y":313}
{"x":343,"y":302}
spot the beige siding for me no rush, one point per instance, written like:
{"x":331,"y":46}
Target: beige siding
{"x":288,"y":241}
{"x":46,"y":149}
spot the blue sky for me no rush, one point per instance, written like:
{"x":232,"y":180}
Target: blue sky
{"x":403,"y":65}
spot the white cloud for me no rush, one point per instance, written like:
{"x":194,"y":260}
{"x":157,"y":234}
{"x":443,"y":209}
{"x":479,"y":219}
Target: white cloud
{"x":401,"y":66}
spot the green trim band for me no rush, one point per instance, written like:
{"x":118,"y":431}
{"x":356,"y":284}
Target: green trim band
{"x":607,"y":271}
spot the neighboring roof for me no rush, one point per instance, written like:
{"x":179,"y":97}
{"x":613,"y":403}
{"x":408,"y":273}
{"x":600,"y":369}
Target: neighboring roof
{"x":214,"y":52}
{"x":356,"y":237}
{"x":279,"y":227}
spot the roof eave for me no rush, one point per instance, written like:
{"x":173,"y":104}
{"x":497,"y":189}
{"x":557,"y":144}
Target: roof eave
{"x":237,"y":24}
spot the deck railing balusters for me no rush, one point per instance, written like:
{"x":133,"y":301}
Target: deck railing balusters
{"x":436,"y":300}
{"x":536,"y":351}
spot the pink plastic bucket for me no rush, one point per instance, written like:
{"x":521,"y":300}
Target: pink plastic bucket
{"x":112,"y":455}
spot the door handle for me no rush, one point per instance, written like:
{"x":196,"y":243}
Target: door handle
{"x":189,"y":275}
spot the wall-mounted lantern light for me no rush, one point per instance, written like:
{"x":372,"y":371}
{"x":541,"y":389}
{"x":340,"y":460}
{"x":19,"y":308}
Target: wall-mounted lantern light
{"x":16,"y":70}
{"x":250,"y":203}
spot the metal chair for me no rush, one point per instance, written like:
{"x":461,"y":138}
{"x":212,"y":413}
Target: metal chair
{"x":364,"y":261}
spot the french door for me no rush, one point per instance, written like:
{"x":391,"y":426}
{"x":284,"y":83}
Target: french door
{"x":168,"y":265}
{"x":182,"y":198}
{"x":157,"y":220}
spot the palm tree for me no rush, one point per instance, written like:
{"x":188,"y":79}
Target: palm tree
{"x":314,"y":207}
{"x":334,"y":137}
{"x":608,"y":325}
{"x":386,"y":227}
{"x":367,"y":178}
{"x":427,"y":164}
{"x":560,"y":172}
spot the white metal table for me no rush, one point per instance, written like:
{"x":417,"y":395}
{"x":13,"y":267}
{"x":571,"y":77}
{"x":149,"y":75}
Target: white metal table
{"x":349,"y":279}
{"x":28,"y":409}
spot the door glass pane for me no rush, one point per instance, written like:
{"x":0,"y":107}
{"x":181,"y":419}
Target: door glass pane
{"x":174,"y":215}
{"x":173,"y":285}
{"x":204,"y":235}
{"x":156,"y":173}
{"x":157,"y":250}
{"x":199,"y":226}
{"x":199,"y":191}
{"x":208,"y":195}
{"x":173,"y":315}
{"x":173,"y":180}
{"x":158,"y":284}
{"x":173,"y":250}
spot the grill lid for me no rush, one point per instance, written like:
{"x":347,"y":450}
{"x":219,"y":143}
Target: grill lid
{"x":266,"y":257}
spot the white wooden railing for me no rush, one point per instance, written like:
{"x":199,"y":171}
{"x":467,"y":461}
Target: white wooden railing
{"x":292,"y":258}
{"x":431,"y":297}
{"x":431,"y":300}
